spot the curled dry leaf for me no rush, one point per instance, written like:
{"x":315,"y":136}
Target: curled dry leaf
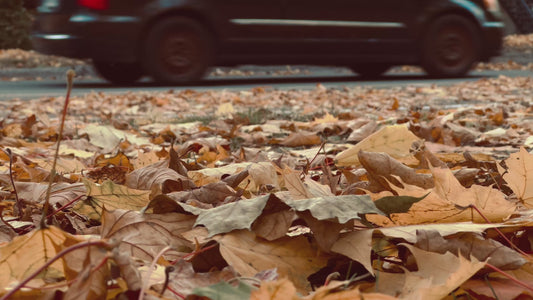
{"x":471,"y":245}
{"x":382,"y":170}
{"x":261,"y":174}
{"x":159,"y":179}
{"x":61,"y":193}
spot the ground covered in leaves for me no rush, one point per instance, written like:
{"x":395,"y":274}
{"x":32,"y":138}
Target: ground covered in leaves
{"x":359,"y":193}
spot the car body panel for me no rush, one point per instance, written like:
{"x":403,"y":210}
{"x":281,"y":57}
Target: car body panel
{"x":339,"y":32}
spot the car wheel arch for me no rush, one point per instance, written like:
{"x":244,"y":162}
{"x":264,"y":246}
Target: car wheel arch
{"x":425,"y":24}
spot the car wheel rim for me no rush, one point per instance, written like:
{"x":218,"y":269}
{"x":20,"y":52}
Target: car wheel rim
{"x":179,"y":52}
{"x":453,"y":47}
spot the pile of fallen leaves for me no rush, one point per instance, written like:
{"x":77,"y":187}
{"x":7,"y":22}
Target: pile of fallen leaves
{"x":18,"y":58}
{"x":360,"y":193}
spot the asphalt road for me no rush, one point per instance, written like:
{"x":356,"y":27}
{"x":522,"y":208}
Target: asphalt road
{"x":329,"y":77}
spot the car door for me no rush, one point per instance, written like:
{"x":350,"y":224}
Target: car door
{"x":365,"y":28}
{"x":242,"y":26}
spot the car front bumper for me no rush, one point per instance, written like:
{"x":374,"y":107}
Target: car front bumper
{"x":86,"y":35}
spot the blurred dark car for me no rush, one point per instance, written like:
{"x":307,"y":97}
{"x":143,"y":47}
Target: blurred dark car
{"x":175,"y":41}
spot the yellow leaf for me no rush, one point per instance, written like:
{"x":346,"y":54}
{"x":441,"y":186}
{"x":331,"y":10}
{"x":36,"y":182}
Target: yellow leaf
{"x":225,"y":110}
{"x":438,"y":274}
{"x":113,"y":196}
{"x":491,"y":202}
{"x":394,"y":140}
{"x":328,"y":118}
{"x":27,"y":253}
{"x":519,"y":176}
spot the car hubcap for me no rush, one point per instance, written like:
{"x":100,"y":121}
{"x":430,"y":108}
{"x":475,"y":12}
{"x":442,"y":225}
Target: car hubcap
{"x":179,"y":52}
{"x":452,"y":47}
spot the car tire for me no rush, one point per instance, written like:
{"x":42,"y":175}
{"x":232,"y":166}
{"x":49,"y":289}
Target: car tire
{"x":370,"y":70}
{"x":451,"y":47}
{"x":119,"y":73}
{"x":177,"y":50}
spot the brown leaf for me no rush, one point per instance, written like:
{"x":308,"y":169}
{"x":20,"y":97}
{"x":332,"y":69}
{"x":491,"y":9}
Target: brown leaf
{"x":112,"y":196}
{"x":300,"y":139}
{"x":383,"y":169}
{"x":520,"y":175}
{"x":143,"y":236}
{"x":469,"y":244}
{"x":437,"y":275}
{"x":295,"y":258}
{"x":275,"y":220}
{"x":491,"y":202}
{"x":159,"y":179}
{"x":356,"y":245}
{"x":89,"y":284}
{"x":25,"y":254}
{"x":119,"y":160}
{"x":184,"y":278}
{"x":281,"y":289}
{"x":362,"y":132}
{"x":61,"y":193}
{"x":212,"y":194}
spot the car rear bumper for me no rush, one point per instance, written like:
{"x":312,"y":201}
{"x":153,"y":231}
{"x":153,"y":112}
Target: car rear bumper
{"x":85,"y":35}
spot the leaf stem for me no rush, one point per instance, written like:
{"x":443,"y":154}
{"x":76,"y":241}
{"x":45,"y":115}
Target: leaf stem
{"x":499,"y":232}
{"x":70,"y":77}
{"x":51,"y":261}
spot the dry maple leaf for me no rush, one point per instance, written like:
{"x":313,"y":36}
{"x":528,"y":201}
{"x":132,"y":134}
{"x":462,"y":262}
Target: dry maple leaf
{"x":294,"y":258}
{"x":25,"y":254}
{"x":519,"y":175}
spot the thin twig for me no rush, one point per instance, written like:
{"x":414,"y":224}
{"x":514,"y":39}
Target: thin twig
{"x":51,"y":261}
{"x":17,"y":201}
{"x":70,"y":77}
{"x":65,"y":206}
{"x":6,"y":222}
{"x":150,"y":270}
{"x":513,"y":279}
{"x":486,"y":277}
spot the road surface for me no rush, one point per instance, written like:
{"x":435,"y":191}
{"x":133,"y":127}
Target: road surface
{"x":329,"y":77}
